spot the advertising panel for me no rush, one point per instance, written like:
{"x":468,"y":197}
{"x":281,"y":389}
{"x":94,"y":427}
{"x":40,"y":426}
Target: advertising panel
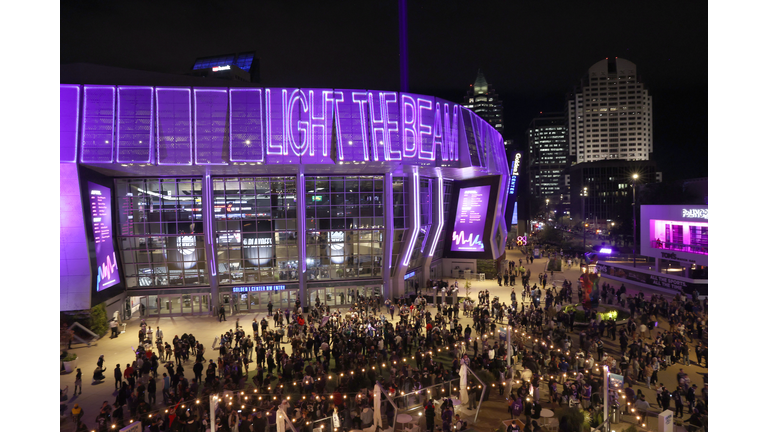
{"x":469,"y":226}
{"x":101,"y":225}
{"x":470,"y":219}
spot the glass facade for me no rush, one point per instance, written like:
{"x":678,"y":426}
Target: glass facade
{"x":345,"y":227}
{"x":160,"y":232}
{"x":256,"y":237}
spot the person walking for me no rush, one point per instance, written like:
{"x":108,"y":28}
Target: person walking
{"x":221,"y":313}
{"x":78,"y":382}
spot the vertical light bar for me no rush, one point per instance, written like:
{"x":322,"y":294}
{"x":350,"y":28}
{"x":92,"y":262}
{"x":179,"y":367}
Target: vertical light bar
{"x":440,"y":213}
{"x":209,"y":227}
{"x":416,"y":218}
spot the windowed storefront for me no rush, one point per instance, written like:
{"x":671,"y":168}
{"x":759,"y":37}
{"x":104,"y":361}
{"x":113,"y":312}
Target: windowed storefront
{"x":342,"y":295}
{"x":345,"y":227}
{"x":160,"y":232}
{"x":255,"y":229}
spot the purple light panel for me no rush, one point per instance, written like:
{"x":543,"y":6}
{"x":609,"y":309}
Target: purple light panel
{"x":246,"y":128}
{"x":383,"y":116}
{"x":319,"y":119}
{"x":69,"y":112}
{"x":98,"y":124}
{"x":211,"y":126}
{"x":174,"y":126}
{"x":354,"y":143}
{"x":440,"y":213}
{"x":107,"y":274}
{"x":469,"y":226}
{"x":135,"y":124}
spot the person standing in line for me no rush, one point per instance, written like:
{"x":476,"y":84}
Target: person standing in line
{"x":152,"y":391}
{"x":118,"y":377}
{"x":269,"y":308}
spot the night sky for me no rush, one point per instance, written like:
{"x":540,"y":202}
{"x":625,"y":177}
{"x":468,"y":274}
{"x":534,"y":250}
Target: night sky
{"x":531,"y":52}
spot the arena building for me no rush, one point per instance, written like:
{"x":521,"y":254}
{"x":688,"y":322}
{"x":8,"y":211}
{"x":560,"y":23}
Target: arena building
{"x":183,"y":198}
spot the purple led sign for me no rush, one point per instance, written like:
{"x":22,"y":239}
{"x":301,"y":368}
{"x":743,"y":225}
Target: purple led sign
{"x":165,"y":126}
{"x":101,"y":222}
{"x":469,"y":225}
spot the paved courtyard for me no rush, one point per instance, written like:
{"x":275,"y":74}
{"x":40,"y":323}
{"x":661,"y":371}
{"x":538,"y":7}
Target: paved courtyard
{"x":207,"y":328}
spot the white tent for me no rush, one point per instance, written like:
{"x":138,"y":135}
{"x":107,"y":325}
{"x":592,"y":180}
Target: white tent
{"x":377,"y":406}
{"x":463,"y":384}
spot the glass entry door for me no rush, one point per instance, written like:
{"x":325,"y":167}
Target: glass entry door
{"x":186,"y":304}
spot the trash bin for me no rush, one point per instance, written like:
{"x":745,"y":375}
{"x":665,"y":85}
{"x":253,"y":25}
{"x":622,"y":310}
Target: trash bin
{"x":614,"y":414}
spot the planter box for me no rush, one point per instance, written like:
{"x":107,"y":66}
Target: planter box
{"x":70,"y":366}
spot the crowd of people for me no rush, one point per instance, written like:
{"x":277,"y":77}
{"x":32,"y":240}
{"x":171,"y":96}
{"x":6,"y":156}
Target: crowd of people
{"x":405,"y":346}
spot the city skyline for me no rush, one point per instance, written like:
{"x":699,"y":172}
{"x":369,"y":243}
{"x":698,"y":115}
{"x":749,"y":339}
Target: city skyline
{"x":357,"y":47}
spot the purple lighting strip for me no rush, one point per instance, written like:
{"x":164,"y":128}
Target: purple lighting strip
{"x":150,"y":133}
{"x":440,"y":215}
{"x":160,"y":144}
{"x":416,"y":218}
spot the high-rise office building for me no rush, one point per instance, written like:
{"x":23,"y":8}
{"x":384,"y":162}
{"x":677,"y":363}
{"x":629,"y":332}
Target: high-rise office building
{"x":547,"y":154}
{"x":483,"y":100}
{"x":610,"y":114}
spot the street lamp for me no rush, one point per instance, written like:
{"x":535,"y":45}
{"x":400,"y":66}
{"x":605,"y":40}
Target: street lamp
{"x":634,"y":221}
{"x":584,"y":219}
{"x":546,"y":215}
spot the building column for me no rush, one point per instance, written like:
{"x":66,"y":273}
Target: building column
{"x":209,"y":236}
{"x":657,"y":265}
{"x":438,"y":198}
{"x":389,"y":235}
{"x":301,"y":224}
{"x":401,"y":267}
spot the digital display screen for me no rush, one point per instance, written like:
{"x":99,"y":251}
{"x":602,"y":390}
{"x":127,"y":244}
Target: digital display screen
{"x":100,"y":204}
{"x":469,"y":224}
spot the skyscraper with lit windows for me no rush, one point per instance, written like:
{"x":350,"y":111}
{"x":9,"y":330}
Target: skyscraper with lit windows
{"x":483,"y":100}
{"x":610,"y":114}
{"x":547,"y":154}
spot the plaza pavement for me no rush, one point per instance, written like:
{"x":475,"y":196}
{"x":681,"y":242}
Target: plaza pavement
{"x":206,"y":328}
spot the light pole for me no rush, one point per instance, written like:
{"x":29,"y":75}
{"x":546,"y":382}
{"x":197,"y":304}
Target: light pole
{"x":584,"y":219}
{"x":634,"y":221}
{"x":546,"y":215}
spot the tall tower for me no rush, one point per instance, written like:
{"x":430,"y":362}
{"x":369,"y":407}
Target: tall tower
{"x":547,"y":155}
{"x":483,"y":100}
{"x":610,"y":114}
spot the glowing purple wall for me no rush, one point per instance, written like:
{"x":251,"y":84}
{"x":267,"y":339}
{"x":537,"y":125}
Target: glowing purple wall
{"x":75,"y":266}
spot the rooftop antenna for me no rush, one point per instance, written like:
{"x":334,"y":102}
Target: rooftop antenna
{"x":403,"y":14}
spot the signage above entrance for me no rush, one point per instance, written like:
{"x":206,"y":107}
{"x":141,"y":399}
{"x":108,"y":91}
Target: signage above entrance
{"x":241,"y":289}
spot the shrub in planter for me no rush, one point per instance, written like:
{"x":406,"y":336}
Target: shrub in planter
{"x":68,"y":362}
{"x":574,"y":417}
